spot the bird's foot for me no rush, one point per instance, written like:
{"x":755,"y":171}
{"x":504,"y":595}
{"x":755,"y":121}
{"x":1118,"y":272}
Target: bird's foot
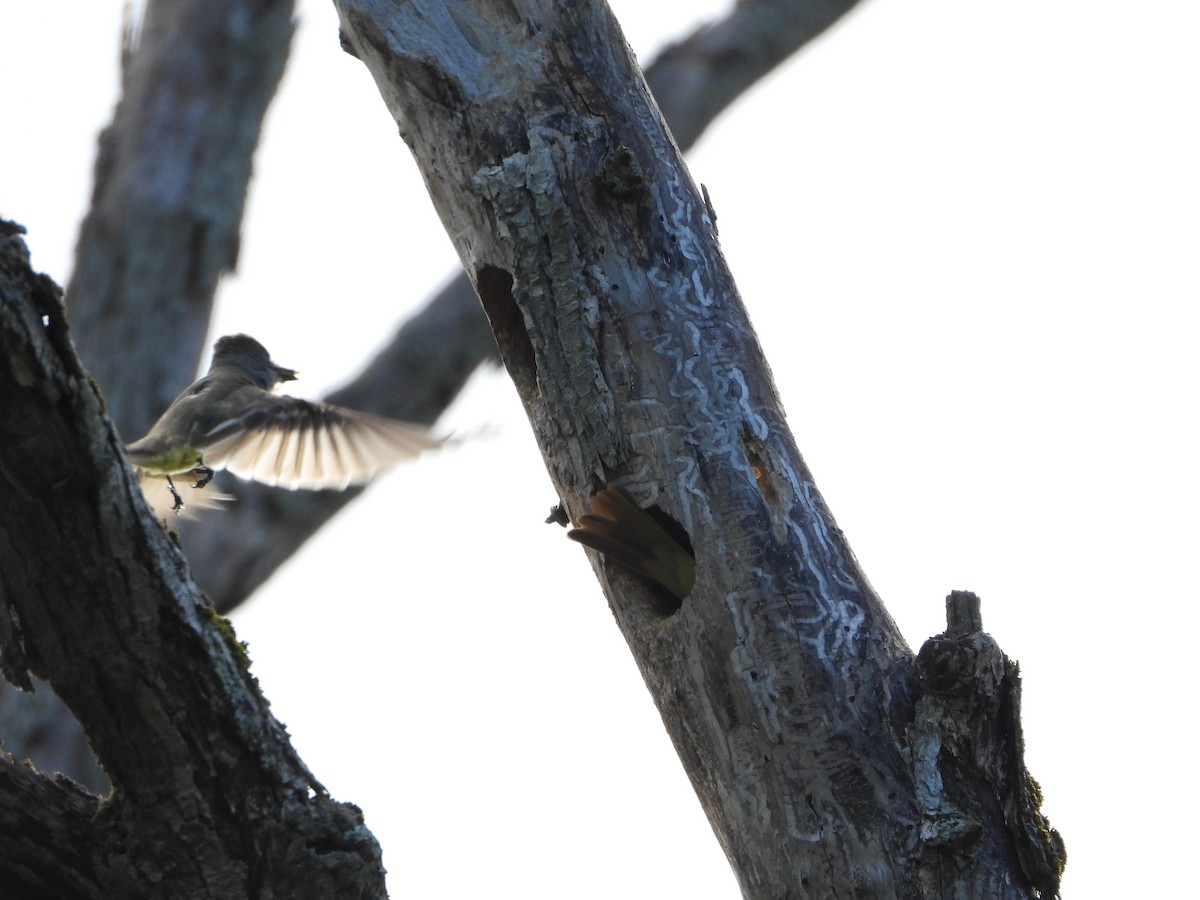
{"x":205,"y":476}
{"x":178,"y":504}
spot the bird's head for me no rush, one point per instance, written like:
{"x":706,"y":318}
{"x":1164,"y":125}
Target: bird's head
{"x":244,"y":353}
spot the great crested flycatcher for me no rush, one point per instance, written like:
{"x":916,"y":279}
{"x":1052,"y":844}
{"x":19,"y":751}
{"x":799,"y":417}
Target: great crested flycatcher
{"x":233,"y":419}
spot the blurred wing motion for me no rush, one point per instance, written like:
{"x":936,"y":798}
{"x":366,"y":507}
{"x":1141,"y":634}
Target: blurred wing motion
{"x":162,"y":501}
{"x":295,"y":443}
{"x":627,"y":534}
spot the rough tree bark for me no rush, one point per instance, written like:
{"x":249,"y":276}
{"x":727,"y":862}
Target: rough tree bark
{"x":170,"y":184}
{"x":170,"y":181}
{"x":828,"y":759}
{"x":693,"y":81}
{"x":208,"y":800}
{"x":137,"y":241}
{"x":784,"y":684}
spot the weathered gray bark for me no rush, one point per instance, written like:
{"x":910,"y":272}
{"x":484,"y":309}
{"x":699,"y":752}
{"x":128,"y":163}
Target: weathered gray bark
{"x":209,"y":800}
{"x":171,"y":175}
{"x":783,"y":682}
{"x":829,"y":762}
{"x":693,"y":80}
{"x":170,"y":184}
{"x":147,"y":231}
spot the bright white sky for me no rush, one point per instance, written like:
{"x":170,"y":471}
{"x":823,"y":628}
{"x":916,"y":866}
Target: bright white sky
{"x":967,"y":233}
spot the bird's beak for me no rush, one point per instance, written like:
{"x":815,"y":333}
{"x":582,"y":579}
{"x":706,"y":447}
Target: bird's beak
{"x":286,"y":374}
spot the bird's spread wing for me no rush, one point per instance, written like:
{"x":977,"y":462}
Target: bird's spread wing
{"x":297,"y":443}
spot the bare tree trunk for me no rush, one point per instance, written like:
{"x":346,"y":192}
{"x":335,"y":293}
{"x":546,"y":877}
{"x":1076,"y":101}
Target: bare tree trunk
{"x":170,"y":184}
{"x":171,"y":175}
{"x":208,"y":800}
{"x":783,"y":682}
{"x":152,"y":249}
{"x":828,"y":759}
{"x":693,"y":80}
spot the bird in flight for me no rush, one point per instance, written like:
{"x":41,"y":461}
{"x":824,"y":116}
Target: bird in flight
{"x":232,"y":419}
